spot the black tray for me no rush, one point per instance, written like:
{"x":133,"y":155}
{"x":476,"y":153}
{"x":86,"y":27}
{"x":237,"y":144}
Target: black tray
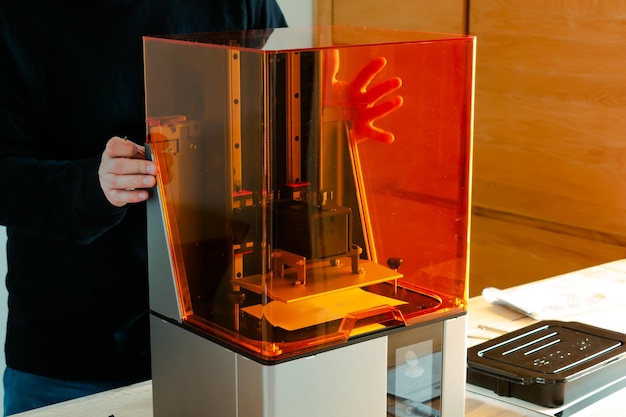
{"x":550,"y":363}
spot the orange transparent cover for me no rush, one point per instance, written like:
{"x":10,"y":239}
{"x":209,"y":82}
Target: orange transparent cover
{"x":314,"y":182}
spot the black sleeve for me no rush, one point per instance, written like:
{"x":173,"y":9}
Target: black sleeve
{"x":41,"y":194}
{"x":265,"y":14}
{"x":54,"y":199}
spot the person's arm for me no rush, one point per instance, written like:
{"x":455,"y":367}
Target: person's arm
{"x":55,"y":199}
{"x":55,"y":180}
{"x":73,"y":200}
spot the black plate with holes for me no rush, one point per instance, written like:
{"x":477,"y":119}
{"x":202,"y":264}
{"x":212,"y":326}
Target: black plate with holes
{"x":550,"y":363}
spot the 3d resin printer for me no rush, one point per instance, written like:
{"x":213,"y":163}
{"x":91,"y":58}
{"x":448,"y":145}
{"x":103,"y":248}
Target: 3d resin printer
{"x":308,"y":237}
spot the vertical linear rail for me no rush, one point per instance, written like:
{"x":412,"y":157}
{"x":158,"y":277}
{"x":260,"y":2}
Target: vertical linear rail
{"x":234,"y":96}
{"x":234,"y":93}
{"x":294,"y":143}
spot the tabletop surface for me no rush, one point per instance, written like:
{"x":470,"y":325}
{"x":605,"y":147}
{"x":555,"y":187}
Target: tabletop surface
{"x":136,"y":401}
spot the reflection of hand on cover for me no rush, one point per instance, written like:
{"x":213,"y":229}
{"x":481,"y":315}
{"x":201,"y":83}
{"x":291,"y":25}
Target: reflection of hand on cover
{"x":360,"y":103}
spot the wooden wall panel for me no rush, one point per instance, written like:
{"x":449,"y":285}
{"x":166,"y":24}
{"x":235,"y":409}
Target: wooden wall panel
{"x":505,"y":253}
{"x":448,"y":16}
{"x":550,"y":123}
{"x":550,"y":137}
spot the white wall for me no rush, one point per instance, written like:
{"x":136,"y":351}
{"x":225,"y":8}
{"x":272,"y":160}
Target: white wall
{"x":297,"y":13}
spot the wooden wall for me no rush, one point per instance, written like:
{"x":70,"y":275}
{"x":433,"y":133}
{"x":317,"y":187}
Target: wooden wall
{"x":449,"y":16}
{"x":550,"y":137}
{"x":549,"y":190}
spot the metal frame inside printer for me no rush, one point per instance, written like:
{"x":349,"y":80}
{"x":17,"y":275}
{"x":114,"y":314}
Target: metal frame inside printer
{"x":296,"y":270}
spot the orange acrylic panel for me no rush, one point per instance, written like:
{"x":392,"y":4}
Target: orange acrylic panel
{"x":314,"y":183}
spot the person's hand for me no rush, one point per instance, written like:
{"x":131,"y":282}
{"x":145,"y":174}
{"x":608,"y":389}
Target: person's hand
{"x":124,"y":172}
{"x":359,"y":101}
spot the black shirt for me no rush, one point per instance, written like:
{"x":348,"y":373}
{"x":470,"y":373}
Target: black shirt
{"x":77,"y":269}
